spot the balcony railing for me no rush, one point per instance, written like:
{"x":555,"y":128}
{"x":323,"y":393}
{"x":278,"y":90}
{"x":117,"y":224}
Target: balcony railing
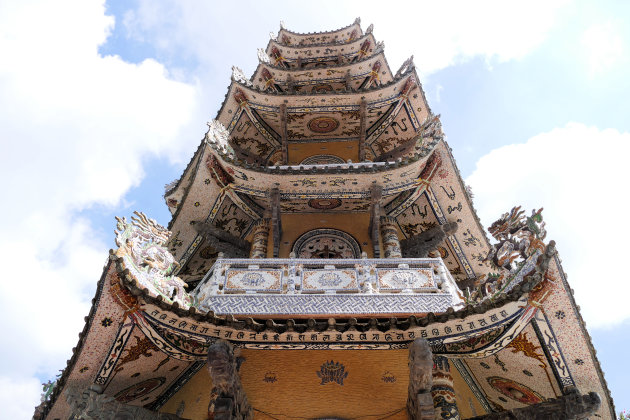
{"x":327,"y":287}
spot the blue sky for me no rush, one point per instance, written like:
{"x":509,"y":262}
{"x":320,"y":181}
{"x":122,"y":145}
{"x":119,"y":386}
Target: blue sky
{"x":104,"y":103}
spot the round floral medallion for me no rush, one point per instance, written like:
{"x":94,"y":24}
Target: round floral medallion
{"x":323,"y":125}
{"x":324,"y":203}
{"x":514,"y":390}
{"x":139,"y":390}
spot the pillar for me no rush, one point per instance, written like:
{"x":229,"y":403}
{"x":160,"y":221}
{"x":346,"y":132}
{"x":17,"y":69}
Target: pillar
{"x":389,"y":235}
{"x":260,"y":239}
{"x":419,"y":398}
{"x":442,"y":390}
{"x":228,"y":400}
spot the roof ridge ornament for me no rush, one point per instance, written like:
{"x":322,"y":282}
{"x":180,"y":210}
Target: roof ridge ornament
{"x":239,"y":76}
{"x":380,"y":46}
{"x":369,"y":29}
{"x":263,"y":56}
{"x":217,"y":136}
{"x":282,"y":25}
{"x":407,"y":65}
{"x":170,"y":186}
{"x":272,"y":35}
{"x":357,"y":21}
{"x":142,"y":246}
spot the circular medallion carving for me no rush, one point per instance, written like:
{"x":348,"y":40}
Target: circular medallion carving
{"x":322,"y":160}
{"x":324,"y":203}
{"x":326,"y":243}
{"x":323,"y":125}
{"x":139,"y":390}
{"x":514,"y":390}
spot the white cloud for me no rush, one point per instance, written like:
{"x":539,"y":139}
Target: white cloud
{"x":603,"y":46}
{"x":439,"y":34}
{"x":577,"y":173}
{"x":447,"y":33}
{"x":18,"y":390}
{"x":74,"y":128}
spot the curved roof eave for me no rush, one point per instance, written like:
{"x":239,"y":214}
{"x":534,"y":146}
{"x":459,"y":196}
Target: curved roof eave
{"x":45,"y":407}
{"x":337,"y":66}
{"x":359,"y":40}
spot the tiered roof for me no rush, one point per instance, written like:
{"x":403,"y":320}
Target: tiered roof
{"x":323,"y":127}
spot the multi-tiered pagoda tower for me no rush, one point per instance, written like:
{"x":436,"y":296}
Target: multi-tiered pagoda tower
{"x":326,"y":262}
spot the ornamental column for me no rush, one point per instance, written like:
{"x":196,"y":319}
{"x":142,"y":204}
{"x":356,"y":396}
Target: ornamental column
{"x":260,"y":239}
{"x":389,"y":235}
{"x":442,"y":390}
{"x":419,"y":398}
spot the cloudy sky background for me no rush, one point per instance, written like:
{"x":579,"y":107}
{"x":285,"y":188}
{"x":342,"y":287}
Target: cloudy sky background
{"x":102,"y":104}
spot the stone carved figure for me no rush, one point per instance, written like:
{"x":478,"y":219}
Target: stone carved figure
{"x":421,"y":245}
{"x":419,"y":399}
{"x":221,"y":241}
{"x":227,"y":399}
{"x":142,"y":247}
{"x":217,"y":136}
{"x":92,"y":404}
{"x":571,"y":406}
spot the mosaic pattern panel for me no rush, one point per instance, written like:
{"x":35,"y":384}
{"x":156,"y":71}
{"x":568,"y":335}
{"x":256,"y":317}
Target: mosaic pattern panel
{"x":247,"y":280}
{"x":329,"y":280}
{"x":401,"y":279}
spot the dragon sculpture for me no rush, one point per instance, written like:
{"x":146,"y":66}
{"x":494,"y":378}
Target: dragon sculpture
{"x":515,"y":255}
{"x":142,"y":248}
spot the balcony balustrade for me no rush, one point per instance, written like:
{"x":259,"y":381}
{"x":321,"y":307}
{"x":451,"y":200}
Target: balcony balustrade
{"x":320,"y":287}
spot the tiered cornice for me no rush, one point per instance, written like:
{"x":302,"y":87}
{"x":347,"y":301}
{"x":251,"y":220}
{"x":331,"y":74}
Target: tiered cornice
{"x":367,"y":72}
{"x":323,"y":150}
{"x":343,"y":35}
{"x":321,"y":55}
{"x":393,"y":115}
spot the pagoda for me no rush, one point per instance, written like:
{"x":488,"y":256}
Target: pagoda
{"x":326,"y":261}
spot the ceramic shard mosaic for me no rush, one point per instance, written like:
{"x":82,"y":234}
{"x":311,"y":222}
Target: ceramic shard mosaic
{"x":323,"y":243}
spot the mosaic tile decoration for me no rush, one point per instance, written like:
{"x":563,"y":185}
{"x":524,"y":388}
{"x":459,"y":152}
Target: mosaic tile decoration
{"x":329,"y":280}
{"x":249,"y":280}
{"x":326,"y":243}
{"x":400,"y":279}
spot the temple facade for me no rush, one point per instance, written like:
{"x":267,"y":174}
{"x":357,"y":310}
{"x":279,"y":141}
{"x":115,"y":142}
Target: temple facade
{"x":324,"y":260}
